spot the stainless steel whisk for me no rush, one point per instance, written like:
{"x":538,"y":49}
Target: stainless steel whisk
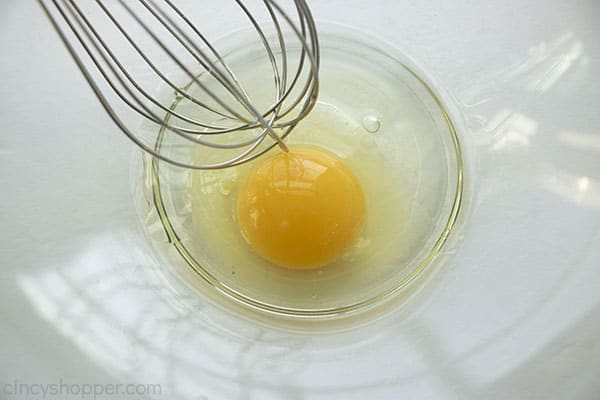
{"x":121,"y":47}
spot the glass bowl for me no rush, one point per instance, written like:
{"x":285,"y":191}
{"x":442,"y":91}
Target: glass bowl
{"x":378,"y":112}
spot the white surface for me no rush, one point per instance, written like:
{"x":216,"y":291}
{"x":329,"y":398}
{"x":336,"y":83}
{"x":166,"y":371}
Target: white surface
{"x":512,"y":314}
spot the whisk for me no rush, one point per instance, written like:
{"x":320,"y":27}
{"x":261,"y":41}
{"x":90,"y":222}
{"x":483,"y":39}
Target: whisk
{"x":125,"y":49}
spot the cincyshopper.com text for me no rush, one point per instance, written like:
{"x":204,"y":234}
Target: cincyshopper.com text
{"x":68,"y":390}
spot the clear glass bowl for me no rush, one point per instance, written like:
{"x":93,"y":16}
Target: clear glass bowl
{"x":378,"y":112}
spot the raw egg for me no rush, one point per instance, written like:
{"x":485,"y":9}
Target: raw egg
{"x":347,"y":215}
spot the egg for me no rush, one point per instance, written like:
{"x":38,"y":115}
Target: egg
{"x":301,"y":209}
{"x":349,"y":212}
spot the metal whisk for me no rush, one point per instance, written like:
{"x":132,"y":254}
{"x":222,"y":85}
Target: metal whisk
{"x":126,"y":48}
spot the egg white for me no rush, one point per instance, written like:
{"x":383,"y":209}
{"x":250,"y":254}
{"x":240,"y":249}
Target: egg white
{"x":387,"y":138}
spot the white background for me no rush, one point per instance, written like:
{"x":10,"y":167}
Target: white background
{"x":513,"y":313}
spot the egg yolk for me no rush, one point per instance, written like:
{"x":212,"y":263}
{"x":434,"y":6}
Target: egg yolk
{"x":301,"y":209}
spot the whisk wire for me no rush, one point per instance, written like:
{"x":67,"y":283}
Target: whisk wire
{"x":113,"y":71}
